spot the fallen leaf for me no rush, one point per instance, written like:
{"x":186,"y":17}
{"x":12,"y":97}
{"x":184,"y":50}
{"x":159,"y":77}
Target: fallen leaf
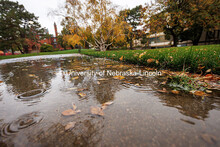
{"x":97,"y":111}
{"x":104,"y":107}
{"x":208,"y":77}
{"x":107,"y":103}
{"x":98,"y":83}
{"x":31,"y":75}
{"x":121,"y":58}
{"x":82,"y":94}
{"x":150,"y":60}
{"x":157,"y":62}
{"x":175,"y":92}
{"x":138,"y":85}
{"x":71,"y":88}
{"x":1,"y":81}
{"x":209,"y":70}
{"x":69,"y":112}
{"x":164,"y":83}
{"x":209,"y":138}
{"x":75,"y":78}
{"x":199,"y":93}
{"x":119,"y":77}
{"x":163,"y":91}
{"x":127,"y":82}
{"x":81,"y":89}
{"x":102,"y":79}
{"x":74,"y":107}
{"x":70,"y":125}
{"x":208,"y":91}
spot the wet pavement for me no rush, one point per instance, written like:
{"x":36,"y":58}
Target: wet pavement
{"x":35,"y":91}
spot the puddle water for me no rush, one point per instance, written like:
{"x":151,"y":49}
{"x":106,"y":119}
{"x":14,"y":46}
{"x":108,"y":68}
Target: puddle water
{"x":36,"y":91}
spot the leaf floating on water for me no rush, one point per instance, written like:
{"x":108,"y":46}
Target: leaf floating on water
{"x":175,"y":92}
{"x":163,"y":91}
{"x":81,"y":89}
{"x":127,"y":82}
{"x":103,"y":107}
{"x":31,"y":75}
{"x":71,"y":88}
{"x":209,"y":138}
{"x":74,"y":107}
{"x":102,"y":79}
{"x":199,"y":93}
{"x":119,"y":77}
{"x":138,"y":85}
{"x":82,"y":94}
{"x":70,"y":125}
{"x":107,"y":103}
{"x":75,"y":78}
{"x":97,"y":111}
{"x":69,"y":112}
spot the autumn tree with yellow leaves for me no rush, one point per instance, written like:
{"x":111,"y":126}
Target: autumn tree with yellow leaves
{"x":94,"y":22}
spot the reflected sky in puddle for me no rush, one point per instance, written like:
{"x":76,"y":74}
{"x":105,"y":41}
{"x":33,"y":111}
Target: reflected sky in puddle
{"x":140,"y":116}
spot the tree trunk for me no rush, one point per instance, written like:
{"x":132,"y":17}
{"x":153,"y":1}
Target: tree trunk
{"x":102,"y":47}
{"x":131,"y":44}
{"x":12,"y":50}
{"x":175,"y":40}
{"x":197,"y":35}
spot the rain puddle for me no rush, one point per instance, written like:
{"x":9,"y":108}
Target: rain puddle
{"x":80,"y":101}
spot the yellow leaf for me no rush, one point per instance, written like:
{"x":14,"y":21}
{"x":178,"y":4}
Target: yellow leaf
{"x":119,"y":77}
{"x":121,"y":58}
{"x":82,"y":94}
{"x":75,"y":78}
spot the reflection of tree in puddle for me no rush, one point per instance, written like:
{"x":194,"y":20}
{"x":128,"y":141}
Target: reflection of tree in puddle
{"x":87,"y":132}
{"x":189,"y":106}
{"x":102,"y":92}
{"x":25,"y":76}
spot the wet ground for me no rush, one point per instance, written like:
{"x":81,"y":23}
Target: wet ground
{"x":35,"y":91}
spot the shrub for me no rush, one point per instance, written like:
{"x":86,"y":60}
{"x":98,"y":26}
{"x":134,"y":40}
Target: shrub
{"x":46,"y":48}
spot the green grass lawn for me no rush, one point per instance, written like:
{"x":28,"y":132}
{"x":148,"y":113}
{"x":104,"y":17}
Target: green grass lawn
{"x":192,"y":59}
{"x":38,"y":54}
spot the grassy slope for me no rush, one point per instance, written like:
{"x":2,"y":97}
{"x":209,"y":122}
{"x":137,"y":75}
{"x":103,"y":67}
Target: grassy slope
{"x":38,"y":54}
{"x":189,"y":58}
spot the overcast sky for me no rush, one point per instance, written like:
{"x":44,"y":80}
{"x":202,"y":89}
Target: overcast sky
{"x":41,"y":8}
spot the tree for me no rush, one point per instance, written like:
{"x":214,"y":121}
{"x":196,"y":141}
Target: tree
{"x":204,"y":15}
{"x":132,"y":17}
{"x":95,"y":22}
{"x":182,"y":18}
{"x":167,"y":16}
{"x":15,"y":27}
